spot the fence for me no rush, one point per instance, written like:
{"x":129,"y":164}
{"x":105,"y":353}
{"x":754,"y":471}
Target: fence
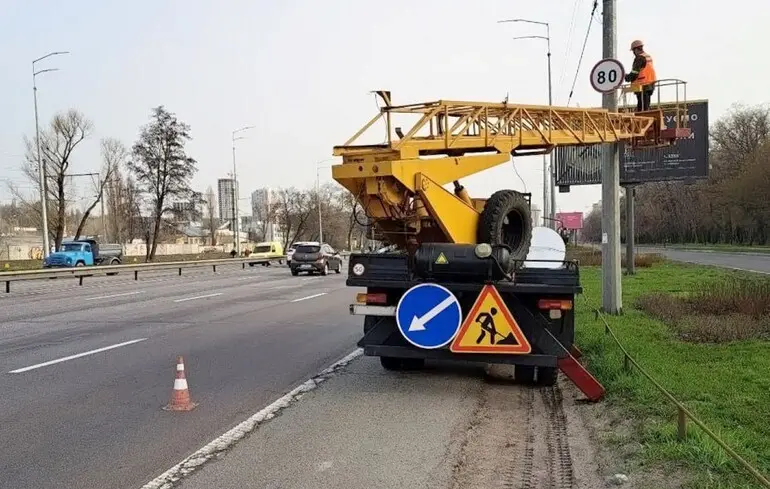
{"x":35,"y":252}
{"x":81,"y":273}
{"x":683,"y":414}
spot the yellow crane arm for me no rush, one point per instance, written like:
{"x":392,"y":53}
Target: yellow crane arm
{"x":400,"y":182}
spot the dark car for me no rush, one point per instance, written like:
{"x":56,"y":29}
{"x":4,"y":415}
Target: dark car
{"x":315,"y":257}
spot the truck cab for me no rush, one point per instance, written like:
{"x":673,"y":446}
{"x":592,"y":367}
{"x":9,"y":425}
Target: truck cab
{"x":83,"y":253}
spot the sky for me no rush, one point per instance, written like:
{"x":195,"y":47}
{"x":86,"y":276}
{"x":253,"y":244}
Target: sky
{"x":301,"y":72}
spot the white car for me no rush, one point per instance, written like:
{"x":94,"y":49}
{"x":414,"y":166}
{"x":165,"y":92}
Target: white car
{"x":290,"y":251}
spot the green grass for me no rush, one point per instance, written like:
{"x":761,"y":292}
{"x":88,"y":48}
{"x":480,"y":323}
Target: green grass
{"x":727,"y":248}
{"x":16,"y":265}
{"x":726,"y":385}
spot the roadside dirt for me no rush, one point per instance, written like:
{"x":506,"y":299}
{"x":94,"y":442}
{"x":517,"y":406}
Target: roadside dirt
{"x":523,"y":438}
{"x":549,"y":438}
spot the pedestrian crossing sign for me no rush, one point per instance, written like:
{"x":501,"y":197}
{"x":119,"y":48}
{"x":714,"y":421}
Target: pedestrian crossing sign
{"x":490,"y":328}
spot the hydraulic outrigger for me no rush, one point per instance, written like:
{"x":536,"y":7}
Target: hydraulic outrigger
{"x":469,"y":245}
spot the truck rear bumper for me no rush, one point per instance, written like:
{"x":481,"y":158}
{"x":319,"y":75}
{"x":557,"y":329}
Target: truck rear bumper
{"x":533,"y":360}
{"x":369,"y":310}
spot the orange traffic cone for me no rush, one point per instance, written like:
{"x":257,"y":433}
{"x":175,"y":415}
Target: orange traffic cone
{"x":180,"y":397}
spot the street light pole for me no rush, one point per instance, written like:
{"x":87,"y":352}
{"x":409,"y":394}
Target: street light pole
{"x":236,"y":220}
{"x":318,"y":196}
{"x":40,"y":165}
{"x":549,"y":206}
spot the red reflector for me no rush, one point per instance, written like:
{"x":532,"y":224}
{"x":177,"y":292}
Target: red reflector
{"x":376,"y":298}
{"x":564,"y":305}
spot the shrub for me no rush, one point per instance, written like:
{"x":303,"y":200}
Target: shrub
{"x":728,"y":310}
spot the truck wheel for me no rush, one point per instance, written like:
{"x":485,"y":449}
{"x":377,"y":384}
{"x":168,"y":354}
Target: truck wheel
{"x":390,"y":363}
{"x":546,"y":376}
{"x":80,"y":264}
{"x":524,"y":374}
{"x":393,"y":363}
{"x":507,"y":219}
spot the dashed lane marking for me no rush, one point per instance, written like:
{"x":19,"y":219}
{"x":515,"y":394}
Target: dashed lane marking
{"x":114,"y":295}
{"x":198,"y":297}
{"x":309,"y":297}
{"x":72,"y":357}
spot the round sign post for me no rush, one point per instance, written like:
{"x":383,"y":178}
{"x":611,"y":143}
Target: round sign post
{"x":607,"y":75}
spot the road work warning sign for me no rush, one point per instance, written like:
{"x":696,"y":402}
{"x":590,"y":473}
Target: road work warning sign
{"x":490,"y":328}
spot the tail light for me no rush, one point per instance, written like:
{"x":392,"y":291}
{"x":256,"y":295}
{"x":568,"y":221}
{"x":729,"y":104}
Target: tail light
{"x":380,"y":298}
{"x":555,"y":304}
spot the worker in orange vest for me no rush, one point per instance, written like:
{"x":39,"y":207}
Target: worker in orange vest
{"x":642,"y":76}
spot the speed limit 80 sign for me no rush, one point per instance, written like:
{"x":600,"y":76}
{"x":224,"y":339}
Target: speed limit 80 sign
{"x":607,"y":75}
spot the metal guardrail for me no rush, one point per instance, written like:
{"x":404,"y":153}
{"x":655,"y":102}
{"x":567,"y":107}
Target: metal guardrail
{"x":99,"y":270}
{"x":683,"y":414}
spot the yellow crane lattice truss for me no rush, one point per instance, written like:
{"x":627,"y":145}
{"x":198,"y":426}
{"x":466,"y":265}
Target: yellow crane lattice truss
{"x":399,"y":182}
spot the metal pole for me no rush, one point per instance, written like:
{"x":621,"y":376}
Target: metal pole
{"x":104,"y":218}
{"x":630,"y":252}
{"x":41,"y":173}
{"x":546,"y":200}
{"x":550,"y":103}
{"x":549,"y":201}
{"x":611,"y":286}
{"x":236,"y":220}
{"x":40,"y":166}
{"x":236,"y":226}
{"x":318,"y":196}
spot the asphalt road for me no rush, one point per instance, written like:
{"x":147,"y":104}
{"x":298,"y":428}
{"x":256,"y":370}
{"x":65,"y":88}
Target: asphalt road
{"x":95,"y":421}
{"x":753,"y":262}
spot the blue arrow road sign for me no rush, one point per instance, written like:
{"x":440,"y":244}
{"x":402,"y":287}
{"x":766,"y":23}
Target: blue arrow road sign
{"x":428,"y":316}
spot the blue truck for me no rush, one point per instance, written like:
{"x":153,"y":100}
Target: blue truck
{"x":84,"y":253}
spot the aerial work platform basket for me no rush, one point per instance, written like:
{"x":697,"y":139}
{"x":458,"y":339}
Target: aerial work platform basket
{"x":660,"y":134}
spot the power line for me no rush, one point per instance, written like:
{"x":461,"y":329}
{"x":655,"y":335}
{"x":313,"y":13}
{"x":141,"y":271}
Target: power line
{"x":582,"y":51}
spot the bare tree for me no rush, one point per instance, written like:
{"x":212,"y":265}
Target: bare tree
{"x":211,"y":210}
{"x":113,"y":156}
{"x":57,"y":143}
{"x":162,"y":168}
{"x":293,"y":209}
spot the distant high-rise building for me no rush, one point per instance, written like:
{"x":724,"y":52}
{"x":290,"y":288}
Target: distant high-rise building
{"x":226,"y":203}
{"x":262,"y":202}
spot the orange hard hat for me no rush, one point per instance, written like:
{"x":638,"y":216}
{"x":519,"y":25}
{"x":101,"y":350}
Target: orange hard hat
{"x":636,"y":44}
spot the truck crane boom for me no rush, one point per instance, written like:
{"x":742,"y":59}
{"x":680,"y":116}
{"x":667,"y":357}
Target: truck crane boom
{"x":399,"y":183}
{"x":459,"y":249}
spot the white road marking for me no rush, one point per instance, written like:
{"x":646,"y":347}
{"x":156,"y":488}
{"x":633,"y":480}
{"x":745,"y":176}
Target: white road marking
{"x":309,"y":297}
{"x":198,"y":297}
{"x":227,"y":440}
{"x":72,"y":357}
{"x":114,"y":295}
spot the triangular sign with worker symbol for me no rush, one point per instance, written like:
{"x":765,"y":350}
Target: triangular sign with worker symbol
{"x":490,"y":328}
{"x":441,"y":260}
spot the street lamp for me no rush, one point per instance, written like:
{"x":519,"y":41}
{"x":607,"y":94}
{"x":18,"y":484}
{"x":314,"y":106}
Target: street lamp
{"x":236,"y":223}
{"x":318,"y":195}
{"x":40,"y":166}
{"x":547,"y":187}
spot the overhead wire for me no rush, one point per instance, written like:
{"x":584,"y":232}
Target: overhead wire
{"x":583,"y":50}
{"x":568,"y":49}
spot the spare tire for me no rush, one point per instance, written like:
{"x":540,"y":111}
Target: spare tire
{"x":506,"y":219}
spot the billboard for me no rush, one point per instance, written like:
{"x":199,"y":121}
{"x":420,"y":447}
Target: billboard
{"x":570,"y":220}
{"x":687,"y":159}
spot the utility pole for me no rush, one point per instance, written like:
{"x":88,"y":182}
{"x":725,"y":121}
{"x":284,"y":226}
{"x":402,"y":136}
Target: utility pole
{"x":612,"y":300}
{"x":318,"y":197}
{"x":40,"y":165}
{"x":630,"y":196}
